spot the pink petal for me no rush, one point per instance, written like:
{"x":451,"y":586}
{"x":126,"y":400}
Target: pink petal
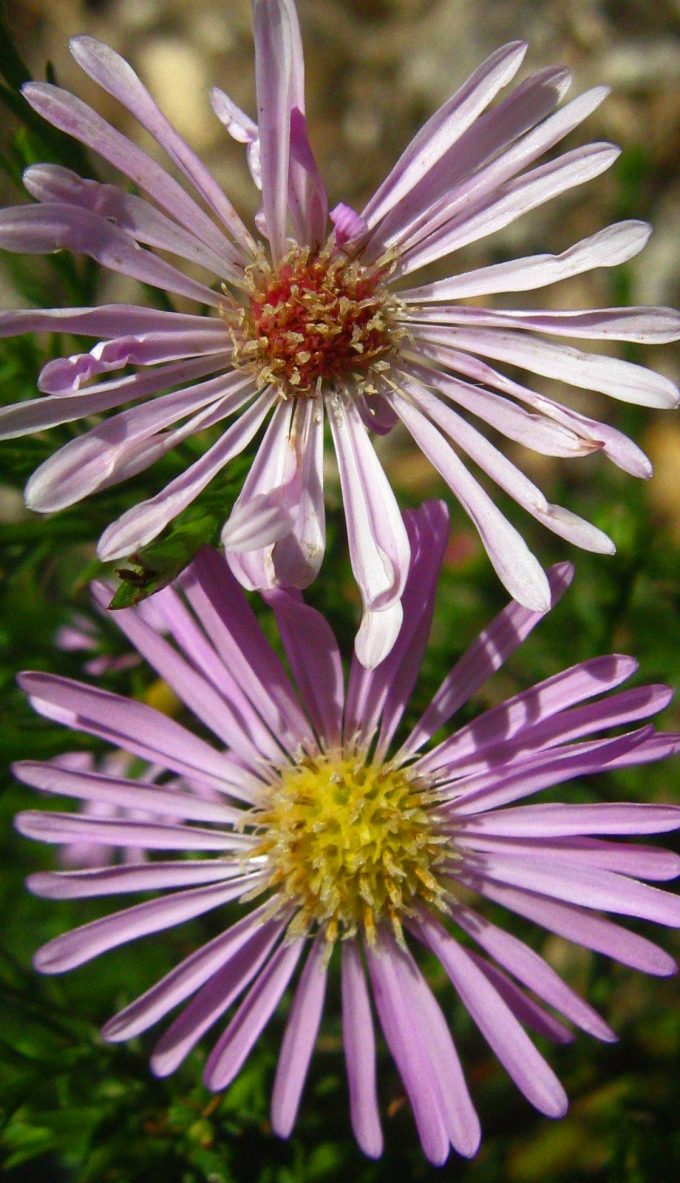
{"x":88,"y":941}
{"x":130,"y":725}
{"x":182,"y":981}
{"x":303,"y":630}
{"x":298,"y":1040}
{"x":216,"y":995}
{"x":87,"y":785}
{"x":235,"y":1044}
{"x":359,"y":1042}
{"x":496,"y":1021}
{"x":493,"y":646}
{"x":583,"y":928}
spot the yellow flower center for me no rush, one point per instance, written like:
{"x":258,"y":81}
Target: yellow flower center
{"x":350,"y":844}
{"x":315,"y":319}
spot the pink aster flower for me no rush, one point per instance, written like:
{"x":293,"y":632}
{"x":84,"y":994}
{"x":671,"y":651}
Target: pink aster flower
{"x":344,"y":842}
{"x":320,"y":326}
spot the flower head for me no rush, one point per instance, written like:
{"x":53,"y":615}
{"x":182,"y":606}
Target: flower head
{"x":320,"y":326}
{"x":342,"y":843}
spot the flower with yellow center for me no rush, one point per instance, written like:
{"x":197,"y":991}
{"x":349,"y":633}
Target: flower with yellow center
{"x":351,"y":844}
{"x":319,"y":326}
{"x":320,"y":842}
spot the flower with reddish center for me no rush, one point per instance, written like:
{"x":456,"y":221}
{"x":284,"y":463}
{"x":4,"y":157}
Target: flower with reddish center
{"x":350,"y":839}
{"x":307,"y":328}
{"x":316,"y":321}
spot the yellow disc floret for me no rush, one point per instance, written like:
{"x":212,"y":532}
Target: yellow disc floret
{"x":315,"y":319}
{"x":350,"y":844}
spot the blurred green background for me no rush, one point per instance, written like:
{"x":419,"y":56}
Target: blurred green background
{"x":77,"y":1111}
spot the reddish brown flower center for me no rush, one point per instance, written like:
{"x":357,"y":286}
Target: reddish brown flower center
{"x":315,"y":320}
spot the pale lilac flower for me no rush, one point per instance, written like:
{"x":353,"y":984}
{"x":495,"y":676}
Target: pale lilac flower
{"x":331,"y":831}
{"x":311,"y":327}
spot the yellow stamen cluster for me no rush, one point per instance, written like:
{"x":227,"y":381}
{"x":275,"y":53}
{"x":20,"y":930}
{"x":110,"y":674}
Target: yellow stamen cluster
{"x":350,"y":844}
{"x":314,"y":320}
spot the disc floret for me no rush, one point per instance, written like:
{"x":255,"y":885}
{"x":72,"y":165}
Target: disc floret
{"x":315,"y":319}
{"x":350,"y":844}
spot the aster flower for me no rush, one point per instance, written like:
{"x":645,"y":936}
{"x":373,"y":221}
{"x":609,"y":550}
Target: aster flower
{"x":312,"y":327}
{"x":342,"y":843}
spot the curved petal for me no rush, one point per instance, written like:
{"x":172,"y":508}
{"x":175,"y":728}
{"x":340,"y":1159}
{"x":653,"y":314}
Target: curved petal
{"x":117,"y":77}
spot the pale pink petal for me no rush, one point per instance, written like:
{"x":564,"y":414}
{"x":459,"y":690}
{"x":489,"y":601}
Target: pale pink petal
{"x":510,"y":201}
{"x":144,"y":223}
{"x":494,"y":149}
{"x":378,"y":543}
{"x":117,"y":77}
{"x":606,"y":248}
{"x":307,"y":198}
{"x":259,"y":523}
{"x":594,"y":435}
{"x":273,"y":71}
{"x":377,"y":634}
{"x":44,"y":229}
{"x":515,"y":565}
{"x":74,"y":117}
{"x":66,"y":375}
{"x":622,"y":380}
{"x":101,"y":455}
{"x":143,"y":522}
{"x":444,"y":128}
{"x":642,"y":325}
{"x":37,"y":414}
